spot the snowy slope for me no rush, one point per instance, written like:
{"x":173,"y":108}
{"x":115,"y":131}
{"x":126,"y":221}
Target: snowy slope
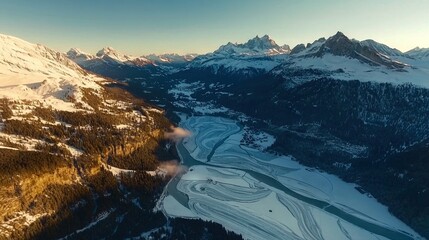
{"x":235,"y":64}
{"x":36,"y":73}
{"x":345,"y":68}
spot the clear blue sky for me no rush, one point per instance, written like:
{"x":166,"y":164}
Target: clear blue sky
{"x":186,"y":26}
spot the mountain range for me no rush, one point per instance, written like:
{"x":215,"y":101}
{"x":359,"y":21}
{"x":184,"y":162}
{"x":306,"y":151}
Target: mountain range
{"x":338,"y":57}
{"x":108,"y":55}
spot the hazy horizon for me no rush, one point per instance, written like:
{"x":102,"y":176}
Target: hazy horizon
{"x":143,"y":27}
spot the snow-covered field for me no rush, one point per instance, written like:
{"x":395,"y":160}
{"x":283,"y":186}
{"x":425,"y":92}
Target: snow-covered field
{"x":262,"y":196}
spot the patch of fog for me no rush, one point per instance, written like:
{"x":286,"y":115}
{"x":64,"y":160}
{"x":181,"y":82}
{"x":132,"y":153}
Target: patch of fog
{"x":177,"y":134}
{"x":170,"y":168}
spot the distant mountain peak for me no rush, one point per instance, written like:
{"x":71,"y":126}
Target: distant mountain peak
{"x":418,"y":52}
{"x":170,"y":58}
{"x":264,"y":42}
{"x":75,"y":52}
{"x":264,"y":45}
{"x":339,"y":35}
{"x":265,"y":37}
{"x":339,"y":38}
{"x":338,"y":44}
{"x":367,"y":51}
{"x":107,"y":51}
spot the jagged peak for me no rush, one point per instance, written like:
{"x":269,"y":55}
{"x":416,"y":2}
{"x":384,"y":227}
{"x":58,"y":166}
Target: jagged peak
{"x":255,"y":46}
{"x":320,"y":40}
{"x":264,"y":41}
{"x":299,"y":48}
{"x":77,"y":50}
{"x":266,"y":37}
{"x":339,"y":36}
{"x":73,"y":52}
{"x":107,"y":51}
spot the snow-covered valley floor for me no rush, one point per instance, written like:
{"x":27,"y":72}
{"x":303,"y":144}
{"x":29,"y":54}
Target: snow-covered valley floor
{"x":263,"y":196}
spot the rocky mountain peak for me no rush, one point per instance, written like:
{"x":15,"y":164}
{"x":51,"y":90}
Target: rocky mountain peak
{"x":340,"y":44}
{"x":298,"y":48}
{"x":75,"y":52}
{"x":107,"y":51}
{"x":264,"y":45}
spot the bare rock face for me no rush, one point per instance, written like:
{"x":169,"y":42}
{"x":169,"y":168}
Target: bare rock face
{"x":339,"y":45}
{"x":298,"y":48}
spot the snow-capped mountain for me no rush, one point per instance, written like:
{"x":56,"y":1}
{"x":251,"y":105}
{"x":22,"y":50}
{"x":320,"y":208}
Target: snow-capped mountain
{"x":170,"y":58}
{"x":110,"y":62}
{"x":111,"y":55}
{"x":107,"y":55}
{"x":36,"y":73}
{"x":418,"y":53}
{"x":79,"y":56}
{"x":337,"y":57}
{"x":258,"y":46}
{"x":257,"y":55}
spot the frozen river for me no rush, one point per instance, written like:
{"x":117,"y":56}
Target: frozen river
{"x":263,"y":196}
